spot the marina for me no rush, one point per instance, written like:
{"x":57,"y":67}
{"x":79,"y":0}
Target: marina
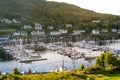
{"x":55,"y":56}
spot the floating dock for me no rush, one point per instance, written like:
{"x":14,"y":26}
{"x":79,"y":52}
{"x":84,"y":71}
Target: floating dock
{"x":31,"y":60}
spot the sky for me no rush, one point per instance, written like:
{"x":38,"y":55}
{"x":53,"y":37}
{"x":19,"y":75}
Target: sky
{"x":101,"y":6}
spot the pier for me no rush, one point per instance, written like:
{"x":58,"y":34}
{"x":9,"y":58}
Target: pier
{"x":31,"y":60}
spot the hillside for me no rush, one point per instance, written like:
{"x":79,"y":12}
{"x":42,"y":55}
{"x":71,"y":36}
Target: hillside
{"x":53,"y":13}
{"x":44,"y":9}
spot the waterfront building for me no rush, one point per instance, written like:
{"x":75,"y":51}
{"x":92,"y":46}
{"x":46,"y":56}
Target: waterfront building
{"x":38,"y":33}
{"x":54,"y":33}
{"x":63,"y":31}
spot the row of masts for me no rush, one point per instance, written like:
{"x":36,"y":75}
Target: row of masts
{"x":66,"y":41}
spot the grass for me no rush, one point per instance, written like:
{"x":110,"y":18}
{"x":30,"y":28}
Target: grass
{"x":113,"y":76}
{"x":67,"y":75}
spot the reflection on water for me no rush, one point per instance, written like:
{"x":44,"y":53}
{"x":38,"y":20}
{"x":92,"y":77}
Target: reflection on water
{"x":53,"y":61}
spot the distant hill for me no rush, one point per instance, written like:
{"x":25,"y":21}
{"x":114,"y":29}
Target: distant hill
{"x":49,"y":10}
{"x":53,"y":13}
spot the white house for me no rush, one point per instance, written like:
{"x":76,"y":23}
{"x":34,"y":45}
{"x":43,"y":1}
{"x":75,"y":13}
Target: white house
{"x":27,"y":26}
{"x":106,"y":21}
{"x":2,"y":21}
{"x":68,"y":25}
{"x":114,"y":30}
{"x":95,"y":31}
{"x":23,"y":33}
{"x":15,"y":21}
{"x":118,"y":31}
{"x":118,"y":21}
{"x":17,"y":33}
{"x":104,"y":30}
{"x":96,"y":21}
{"x":82,"y":31}
{"x":50,"y":27}
{"x":33,"y":33}
{"x":7,"y":21}
{"x":63,"y":31}
{"x":54,"y":33}
{"x":38,"y":26}
{"x":76,"y":32}
{"x":38,"y":33}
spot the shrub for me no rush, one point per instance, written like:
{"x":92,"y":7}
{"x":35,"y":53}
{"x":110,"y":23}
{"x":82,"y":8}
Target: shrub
{"x":4,"y":77}
{"x":112,"y":69}
{"x":15,"y":71}
{"x":90,"y":78}
{"x":95,"y":69}
{"x":82,"y":67}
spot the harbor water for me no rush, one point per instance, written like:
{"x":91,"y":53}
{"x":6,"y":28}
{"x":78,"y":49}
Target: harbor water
{"x":54,"y":60}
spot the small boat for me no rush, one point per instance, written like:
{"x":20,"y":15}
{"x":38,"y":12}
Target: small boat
{"x":87,"y":57}
{"x":95,"y":49}
{"x":35,"y":56}
{"x":76,"y":56}
{"x":60,"y":52}
{"x":34,"y":72}
{"x":5,"y":73}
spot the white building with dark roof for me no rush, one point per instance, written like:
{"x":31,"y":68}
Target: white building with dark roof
{"x":50,"y":27}
{"x":75,"y":32}
{"x":23,"y":33}
{"x":27,"y":27}
{"x":118,"y":31}
{"x":63,"y":31}
{"x":68,"y":25}
{"x":38,"y":33}
{"x":114,"y":30}
{"x":38,"y":26}
{"x":104,"y":30}
{"x":95,"y":31}
{"x":96,"y":21}
{"x":55,"y":33}
{"x":17,"y":33}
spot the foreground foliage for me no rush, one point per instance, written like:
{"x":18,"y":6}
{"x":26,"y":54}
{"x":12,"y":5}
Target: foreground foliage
{"x":68,"y":75}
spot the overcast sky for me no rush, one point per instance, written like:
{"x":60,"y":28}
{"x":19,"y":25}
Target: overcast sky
{"x":102,"y":6}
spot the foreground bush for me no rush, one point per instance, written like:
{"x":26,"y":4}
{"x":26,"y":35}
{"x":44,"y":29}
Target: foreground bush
{"x":94,"y":70}
{"x":50,"y":76}
{"x":16,"y":71}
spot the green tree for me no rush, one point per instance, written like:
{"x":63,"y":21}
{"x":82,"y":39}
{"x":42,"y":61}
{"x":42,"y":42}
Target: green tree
{"x":15,"y":71}
{"x":97,"y":62}
{"x":29,"y":70}
{"x":102,"y":62}
{"x":111,"y":59}
{"x":82,"y":67}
